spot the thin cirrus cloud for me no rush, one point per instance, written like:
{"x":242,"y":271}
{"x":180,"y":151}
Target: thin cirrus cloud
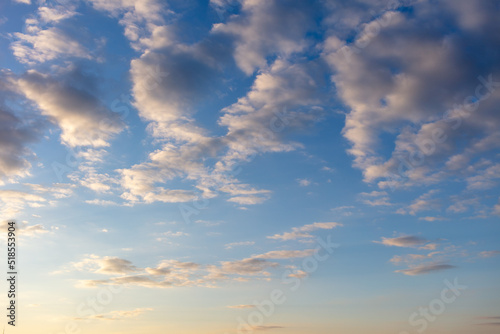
{"x":116,"y":315}
{"x":403,"y":241}
{"x":425,"y":269}
{"x":303,"y":231}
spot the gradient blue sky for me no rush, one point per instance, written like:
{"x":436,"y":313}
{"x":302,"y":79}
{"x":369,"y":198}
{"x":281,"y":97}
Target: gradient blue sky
{"x":172,"y":164}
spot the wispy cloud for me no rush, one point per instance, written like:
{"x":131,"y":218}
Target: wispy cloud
{"x":303,"y":232}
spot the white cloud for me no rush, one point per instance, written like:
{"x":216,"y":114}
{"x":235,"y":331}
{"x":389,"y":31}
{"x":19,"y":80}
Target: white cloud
{"x":241,"y":243}
{"x":45,"y":45}
{"x":55,"y":14}
{"x":304,"y":182}
{"x":303,"y":231}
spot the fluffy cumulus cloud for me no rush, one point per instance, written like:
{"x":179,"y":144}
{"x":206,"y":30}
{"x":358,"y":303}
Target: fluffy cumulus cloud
{"x":420,"y":85}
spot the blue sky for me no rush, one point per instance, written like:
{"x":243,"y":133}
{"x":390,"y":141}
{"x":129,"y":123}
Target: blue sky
{"x":240,"y":166}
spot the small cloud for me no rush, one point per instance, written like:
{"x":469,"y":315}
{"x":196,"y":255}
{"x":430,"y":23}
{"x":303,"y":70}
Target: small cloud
{"x":304,"y":182}
{"x":242,"y":243}
{"x":117,"y":315}
{"x":432,"y":219}
{"x":265,"y":328}
{"x":403,"y":241}
{"x":207,"y":222}
{"x":376,"y":198}
{"x":286,"y":254}
{"x":105,"y":230}
{"x":241,"y":306}
{"x":101,"y":202}
{"x":303,"y":232}
{"x":489,"y":253}
{"x":425,"y":269}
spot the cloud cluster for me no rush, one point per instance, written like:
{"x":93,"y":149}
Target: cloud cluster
{"x":420,"y":87}
{"x":174,"y":273}
{"x":433,"y":256}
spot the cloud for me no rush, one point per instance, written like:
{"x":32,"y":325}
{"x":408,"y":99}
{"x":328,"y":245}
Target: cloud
{"x":304,"y":182}
{"x":249,"y":266}
{"x":84,"y":121}
{"x":170,"y":273}
{"x":266,"y":327}
{"x":264,"y":28}
{"x":423,"y":203}
{"x":101,"y":202}
{"x":14,"y":201}
{"x":55,"y":14}
{"x":303,"y":232}
{"x":426,"y":269}
{"x":139,"y":18}
{"x":105,"y":265}
{"x":402,"y":93}
{"x":117,"y":315}
{"x":49,"y":44}
{"x":241,"y":306}
{"x":26,"y":2}
{"x":286,"y":254}
{"x":462,"y":205}
{"x":376,"y":198}
{"x":485,"y":179}
{"x":241,"y":243}
{"x":24,"y":229}
{"x":403,"y":241}
{"x":489,"y":253}
{"x":432,"y":219}
{"x":17,"y":131}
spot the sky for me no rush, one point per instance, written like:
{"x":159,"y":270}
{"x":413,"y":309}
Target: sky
{"x":251,"y":166}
